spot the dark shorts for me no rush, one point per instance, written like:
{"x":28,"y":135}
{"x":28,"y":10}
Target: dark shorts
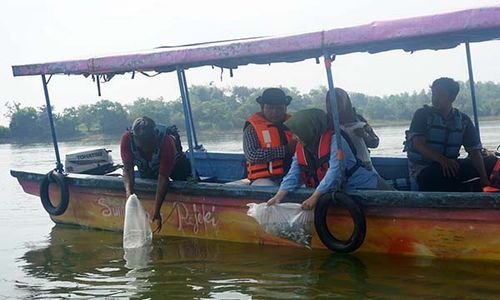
{"x":182,"y":169}
{"x":431,"y":178}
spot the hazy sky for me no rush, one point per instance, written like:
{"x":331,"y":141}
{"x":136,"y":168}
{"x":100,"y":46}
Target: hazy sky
{"x":51,"y":30}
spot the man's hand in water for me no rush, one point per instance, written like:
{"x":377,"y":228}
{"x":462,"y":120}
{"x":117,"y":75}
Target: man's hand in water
{"x":157,"y":219}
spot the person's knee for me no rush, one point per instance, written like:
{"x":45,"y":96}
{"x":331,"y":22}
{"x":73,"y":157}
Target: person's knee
{"x":414,"y":184}
{"x":264,"y":182}
{"x":489,"y":163}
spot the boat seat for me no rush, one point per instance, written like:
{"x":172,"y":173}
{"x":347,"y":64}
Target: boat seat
{"x":471,"y":185}
{"x":400,"y":184}
{"x":207,"y":179}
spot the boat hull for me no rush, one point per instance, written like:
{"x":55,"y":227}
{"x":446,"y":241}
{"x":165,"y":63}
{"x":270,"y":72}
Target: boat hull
{"x":396,"y":224}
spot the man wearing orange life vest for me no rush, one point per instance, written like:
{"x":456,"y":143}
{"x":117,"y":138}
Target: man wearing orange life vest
{"x":267,"y":144}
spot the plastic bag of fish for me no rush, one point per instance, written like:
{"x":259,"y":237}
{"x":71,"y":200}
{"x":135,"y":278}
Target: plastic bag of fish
{"x":285,"y":220}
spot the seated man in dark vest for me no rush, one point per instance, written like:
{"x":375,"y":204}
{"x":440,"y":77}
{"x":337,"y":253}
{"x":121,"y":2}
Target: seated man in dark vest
{"x":157,"y":153}
{"x":434,"y":139}
{"x":267,"y":144}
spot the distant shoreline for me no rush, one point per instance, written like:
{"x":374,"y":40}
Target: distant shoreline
{"x":92,"y":136}
{"x":382,"y":123}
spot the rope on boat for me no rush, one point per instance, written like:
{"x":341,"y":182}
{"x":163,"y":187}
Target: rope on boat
{"x":170,"y":213}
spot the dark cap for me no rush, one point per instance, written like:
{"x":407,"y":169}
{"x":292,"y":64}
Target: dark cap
{"x":274,"y":96}
{"x":143,"y":128}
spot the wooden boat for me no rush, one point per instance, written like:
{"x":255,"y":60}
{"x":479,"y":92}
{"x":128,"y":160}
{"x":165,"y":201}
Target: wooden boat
{"x":448,"y":225}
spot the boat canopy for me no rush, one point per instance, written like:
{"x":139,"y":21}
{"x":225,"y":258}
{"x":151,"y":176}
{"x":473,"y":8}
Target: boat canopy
{"x":442,"y":31}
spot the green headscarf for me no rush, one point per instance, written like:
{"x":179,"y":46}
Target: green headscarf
{"x":308,"y":125}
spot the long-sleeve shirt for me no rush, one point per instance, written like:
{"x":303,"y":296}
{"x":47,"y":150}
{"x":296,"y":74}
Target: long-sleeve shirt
{"x":361,"y":179}
{"x":254,"y":153}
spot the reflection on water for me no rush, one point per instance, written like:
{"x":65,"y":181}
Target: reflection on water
{"x":79,"y":263}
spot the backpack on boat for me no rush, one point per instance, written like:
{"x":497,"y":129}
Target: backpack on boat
{"x":174,"y":132}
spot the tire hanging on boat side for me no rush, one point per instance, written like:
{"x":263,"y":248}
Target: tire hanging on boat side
{"x":54,"y":176}
{"x":320,"y":222}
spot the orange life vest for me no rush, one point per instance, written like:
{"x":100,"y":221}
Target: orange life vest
{"x":270,"y":136}
{"x":313,"y":168}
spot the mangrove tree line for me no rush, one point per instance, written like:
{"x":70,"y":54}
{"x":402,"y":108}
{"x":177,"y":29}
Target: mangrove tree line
{"x":222,"y":109}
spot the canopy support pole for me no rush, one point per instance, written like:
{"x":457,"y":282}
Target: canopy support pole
{"x":189,"y":131}
{"x":59,"y":165}
{"x":98,"y":86}
{"x":190,"y":111}
{"x":335,"y":112}
{"x":472,"y":88}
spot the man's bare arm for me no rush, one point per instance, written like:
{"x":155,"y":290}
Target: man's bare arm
{"x":449,"y":166}
{"x":128,"y":178}
{"x":478,"y":163}
{"x":161,"y":192}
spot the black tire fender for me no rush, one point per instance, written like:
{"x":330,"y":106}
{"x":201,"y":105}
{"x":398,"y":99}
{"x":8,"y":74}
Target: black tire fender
{"x":320,"y":222}
{"x":54,"y":176}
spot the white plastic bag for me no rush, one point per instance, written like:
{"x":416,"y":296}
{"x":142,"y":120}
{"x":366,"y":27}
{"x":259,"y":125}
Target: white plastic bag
{"x":285,"y":220}
{"x":137,"y":258}
{"x":136,"y":230}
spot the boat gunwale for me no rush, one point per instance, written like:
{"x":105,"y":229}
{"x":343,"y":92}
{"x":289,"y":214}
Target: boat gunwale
{"x":367,"y":198}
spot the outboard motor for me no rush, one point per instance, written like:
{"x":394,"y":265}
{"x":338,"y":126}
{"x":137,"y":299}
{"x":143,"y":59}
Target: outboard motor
{"x":96,"y":161}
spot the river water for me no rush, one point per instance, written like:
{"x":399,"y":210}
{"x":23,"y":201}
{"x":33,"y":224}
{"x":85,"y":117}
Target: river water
{"x":41,"y":260}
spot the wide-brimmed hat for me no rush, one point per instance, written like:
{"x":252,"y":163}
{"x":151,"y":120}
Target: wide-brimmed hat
{"x":143,"y":128}
{"x":274,"y":96}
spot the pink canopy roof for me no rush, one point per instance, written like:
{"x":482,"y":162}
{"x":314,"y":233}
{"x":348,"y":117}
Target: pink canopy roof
{"x":428,"y":32}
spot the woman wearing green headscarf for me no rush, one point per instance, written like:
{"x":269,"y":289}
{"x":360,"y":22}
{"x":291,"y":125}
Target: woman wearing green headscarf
{"x":316,"y":163}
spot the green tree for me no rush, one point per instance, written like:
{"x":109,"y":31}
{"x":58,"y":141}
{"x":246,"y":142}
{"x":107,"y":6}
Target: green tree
{"x":4,"y":132}
{"x":85,"y":115}
{"x":24,"y":122}
{"x":66,"y":123}
{"x":158,"y":110}
{"x":110,"y":116}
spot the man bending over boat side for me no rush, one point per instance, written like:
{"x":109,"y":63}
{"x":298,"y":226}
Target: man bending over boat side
{"x":157,"y":153}
{"x":315,"y":161}
{"x":434,"y":139}
{"x":360,"y":134}
{"x":267,"y":144}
